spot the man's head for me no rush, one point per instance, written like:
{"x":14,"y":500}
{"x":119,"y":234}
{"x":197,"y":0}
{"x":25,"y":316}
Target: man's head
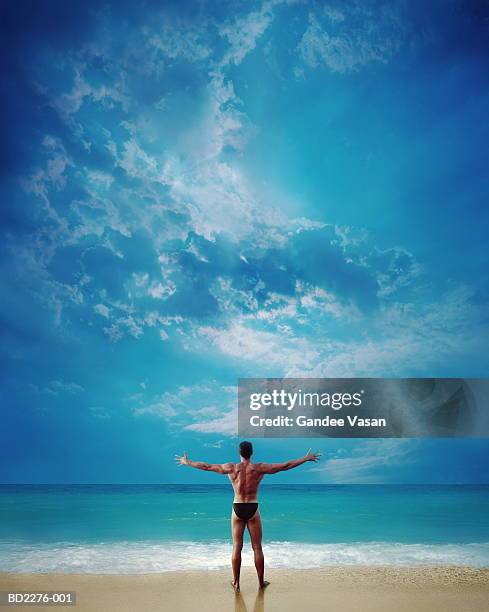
{"x":246,"y":449}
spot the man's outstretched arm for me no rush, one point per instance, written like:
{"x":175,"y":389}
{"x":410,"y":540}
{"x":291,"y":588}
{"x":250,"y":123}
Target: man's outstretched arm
{"x":219,"y":468}
{"x":273,"y":468}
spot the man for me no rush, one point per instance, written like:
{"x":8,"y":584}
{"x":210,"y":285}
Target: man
{"x":245,"y":478}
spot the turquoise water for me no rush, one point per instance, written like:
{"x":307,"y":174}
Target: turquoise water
{"x":163,"y":527}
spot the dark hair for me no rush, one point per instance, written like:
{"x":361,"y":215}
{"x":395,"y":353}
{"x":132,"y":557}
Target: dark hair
{"x":246,"y":449}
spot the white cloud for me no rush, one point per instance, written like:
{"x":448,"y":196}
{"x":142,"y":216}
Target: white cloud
{"x":399,"y":339}
{"x":161,"y":408}
{"x":318,"y":299}
{"x":130,"y":321}
{"x":114,"y":333}
{"x":373,"y":461}
{"x":216,"y":444}
{"x":394,"y":269}
{"x":211,"y":192}
{"x":219,"y":199}
{"x":58,"y":387}
{"x":207,"y":408}
{"x":256,"y":346}
{"x":227,"y":424}
{"x":243,"y":32}
{"x":70,"y":103}
{"x":231,"y":299}
{"x":178,"y":41}
{"x":334,"y":14}
{"x":124,"y":325}
{"x":99,"y":412}
{"x":102,"y":310}
{"x":137,"y":162}
{"x":53,"y":175}
{"x":100,"y":179}
{"x":161,"y":292}
{"x":347,"y":42}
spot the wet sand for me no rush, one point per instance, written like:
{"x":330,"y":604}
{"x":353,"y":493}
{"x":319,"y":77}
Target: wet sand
{"x":364,"y":589}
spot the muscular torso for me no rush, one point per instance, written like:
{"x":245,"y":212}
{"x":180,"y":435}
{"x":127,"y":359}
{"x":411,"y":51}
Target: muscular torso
{"x":245,"y":478}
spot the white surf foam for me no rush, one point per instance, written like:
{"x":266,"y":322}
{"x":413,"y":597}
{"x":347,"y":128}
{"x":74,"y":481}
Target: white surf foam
{"x":148,"y":557}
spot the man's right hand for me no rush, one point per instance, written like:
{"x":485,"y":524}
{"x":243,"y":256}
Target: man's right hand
{"x":313,"y":456}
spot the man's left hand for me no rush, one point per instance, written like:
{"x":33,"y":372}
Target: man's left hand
{"x":182,"y":459}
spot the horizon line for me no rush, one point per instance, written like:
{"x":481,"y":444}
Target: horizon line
{"x":278,"y":484}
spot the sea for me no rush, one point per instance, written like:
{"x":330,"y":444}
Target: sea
{"x":135,"y":529}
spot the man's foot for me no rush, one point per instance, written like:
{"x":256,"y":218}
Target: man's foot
{"x":264,"y":584}
{"x":235,"y":585}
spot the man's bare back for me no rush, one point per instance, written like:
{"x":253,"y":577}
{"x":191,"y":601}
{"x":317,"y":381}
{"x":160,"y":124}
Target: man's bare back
{"x":245,"y":478}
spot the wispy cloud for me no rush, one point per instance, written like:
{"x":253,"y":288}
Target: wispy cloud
{"x":347,"y":38}
{"x":207,"y":407}
{"x":57,"y":387}
{"x":243,"y":32}
{"x":181,"y":41}
{"x":373,"y":461}
{"x":226,"y":425}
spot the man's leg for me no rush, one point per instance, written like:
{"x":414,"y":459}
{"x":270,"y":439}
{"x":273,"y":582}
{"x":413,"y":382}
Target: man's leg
{"x":254,"y":527}
{"x":237,"y":529}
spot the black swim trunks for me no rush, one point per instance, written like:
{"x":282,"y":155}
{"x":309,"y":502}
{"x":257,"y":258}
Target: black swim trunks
{"x":245,"y":511}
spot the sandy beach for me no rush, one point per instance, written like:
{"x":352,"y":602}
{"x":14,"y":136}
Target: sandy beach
{"x":335,"y":588}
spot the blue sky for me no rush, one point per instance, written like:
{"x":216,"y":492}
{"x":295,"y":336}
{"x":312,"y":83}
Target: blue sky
{"x":200,"y":191}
